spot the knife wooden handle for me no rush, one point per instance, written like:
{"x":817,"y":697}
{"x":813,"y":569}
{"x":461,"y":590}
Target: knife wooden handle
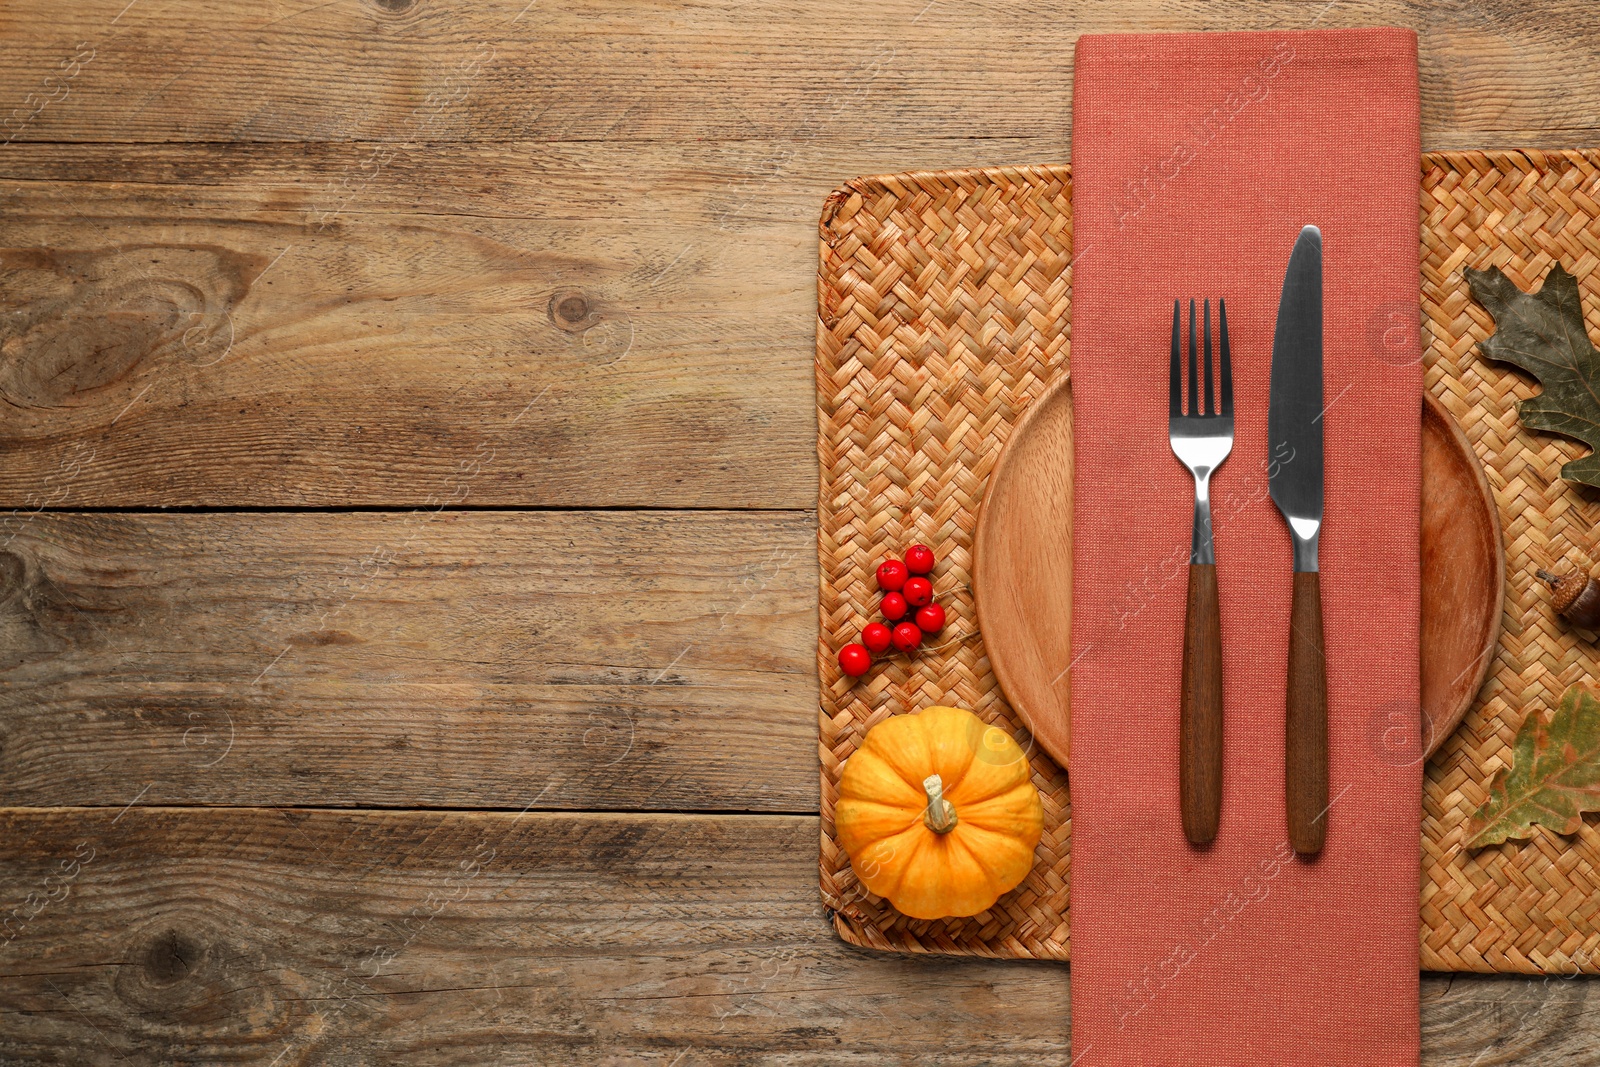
{"x":1200,"y":724}
{"x":1306,"y":719}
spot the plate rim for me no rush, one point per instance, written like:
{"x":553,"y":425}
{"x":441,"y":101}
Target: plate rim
{"x":1486,"y":655}
{"x":980,"y":528}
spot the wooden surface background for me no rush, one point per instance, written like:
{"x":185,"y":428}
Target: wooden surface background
{"x":407,"y":580}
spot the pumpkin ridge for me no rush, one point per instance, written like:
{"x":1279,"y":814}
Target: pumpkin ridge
{"x":962,"y":718}
{"x":940,"y":879}
{"x":919,"y":841}
{"x":903,"y":748}
{"x":869,"y":764}
{"x":978,"y":861}
{"x":925,"y":757}
{"x":886,"y":813}
{"x":1008,"y":856}
{"x":998,"y":813}
{"x":990,"y":790}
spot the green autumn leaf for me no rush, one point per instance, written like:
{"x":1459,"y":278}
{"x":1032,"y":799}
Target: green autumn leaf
{"x":1543,"y":334}
{"x":1554,"y":775}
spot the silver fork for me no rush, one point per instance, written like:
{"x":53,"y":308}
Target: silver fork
{"x":1202,"y":437}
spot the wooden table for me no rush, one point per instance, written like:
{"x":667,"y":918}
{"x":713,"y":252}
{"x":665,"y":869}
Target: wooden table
{"x":407,"y":610}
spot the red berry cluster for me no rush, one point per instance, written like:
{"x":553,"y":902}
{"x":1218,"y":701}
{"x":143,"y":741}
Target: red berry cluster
{"x":905,"y":587}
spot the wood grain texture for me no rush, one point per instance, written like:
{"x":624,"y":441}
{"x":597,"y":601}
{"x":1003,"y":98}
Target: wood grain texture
{"x":275,"y":325}
{"x":1463,"y":579}
{"x":1201,"y":709}
{"x":449,"y":70}
{"x":279,"y":341}
{"x":280,"y":937}
{"x":618,"y":660}
{"x":335,"y":938}
{"x":1305,"y":753}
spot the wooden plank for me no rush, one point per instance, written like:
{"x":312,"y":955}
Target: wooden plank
{"x":612,"y":660}
{"x":404,"y":70}
{"x":266,"y":325}
{"x":296,"y":937}
{"x":271,"y":344}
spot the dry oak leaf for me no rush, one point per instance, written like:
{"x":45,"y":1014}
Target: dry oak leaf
{"x":1543,"y":334}
{"x":1554,"y":775}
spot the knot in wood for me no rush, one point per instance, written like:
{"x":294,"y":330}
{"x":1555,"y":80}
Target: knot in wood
{"x":172,"y":957}
{"x":570,"y":311}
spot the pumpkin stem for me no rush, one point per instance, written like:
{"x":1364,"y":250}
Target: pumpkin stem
{"x":941,"y":814}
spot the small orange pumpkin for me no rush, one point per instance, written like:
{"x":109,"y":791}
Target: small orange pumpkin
{"x":938,"y":813}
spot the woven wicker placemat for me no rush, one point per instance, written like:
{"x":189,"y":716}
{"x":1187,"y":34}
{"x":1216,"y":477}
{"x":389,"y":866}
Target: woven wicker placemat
{"x":942,"y":311}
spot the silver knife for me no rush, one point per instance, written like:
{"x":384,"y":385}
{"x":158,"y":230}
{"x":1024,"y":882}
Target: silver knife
{"x":1294,"y":437}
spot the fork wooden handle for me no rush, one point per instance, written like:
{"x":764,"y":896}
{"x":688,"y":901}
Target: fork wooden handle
{"x":1306,"y":719}
{"x":1200,"y":726}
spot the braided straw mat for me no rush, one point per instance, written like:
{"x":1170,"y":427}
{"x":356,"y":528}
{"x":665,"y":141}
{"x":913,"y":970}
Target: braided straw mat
{"x":942,"y":304}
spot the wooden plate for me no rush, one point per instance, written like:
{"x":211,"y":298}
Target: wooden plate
{"x":1463,"y":574}
{"x":1022,"y":574}
{"x":1022,"y":567}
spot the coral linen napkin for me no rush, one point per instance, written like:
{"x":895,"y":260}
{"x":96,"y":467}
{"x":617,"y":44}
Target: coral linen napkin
{"x":1196,"y":159}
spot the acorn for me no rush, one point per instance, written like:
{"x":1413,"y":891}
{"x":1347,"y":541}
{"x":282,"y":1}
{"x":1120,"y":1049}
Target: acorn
{"x":1575,"y":596}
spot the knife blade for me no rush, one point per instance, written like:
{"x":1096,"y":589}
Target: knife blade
{"x":1294,"y":437}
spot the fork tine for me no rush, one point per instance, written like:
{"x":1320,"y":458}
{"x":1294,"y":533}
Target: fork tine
{"x":1176,"y":396}
{"x":1194,"y":381}
{"x":1227,"y":366}
{"x":1211,"y":403}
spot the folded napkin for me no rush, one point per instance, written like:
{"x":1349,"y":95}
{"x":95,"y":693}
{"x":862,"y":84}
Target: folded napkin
{"x":1196,"y":159}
